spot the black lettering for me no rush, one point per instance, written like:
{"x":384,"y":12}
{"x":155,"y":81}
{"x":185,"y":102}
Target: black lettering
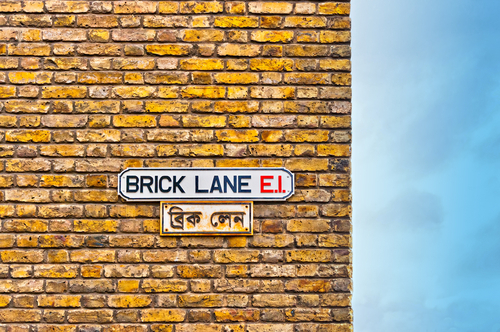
{"x":131,"y":184}
{"x":228,"y":183}
{"x":197,"y":188}
{"x":147,"y":184}
{"x":177,"y":184}
{"x":156,"y":184}
{"x":215,"y":185}
{"x":243,"y":184}
{"x":161,"y":184}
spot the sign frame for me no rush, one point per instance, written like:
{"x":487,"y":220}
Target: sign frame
{"x":249,"y":233}
{"x":230,"y":198}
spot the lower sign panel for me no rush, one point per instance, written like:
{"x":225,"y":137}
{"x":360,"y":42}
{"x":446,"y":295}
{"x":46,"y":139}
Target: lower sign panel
{"x":206,"y":218}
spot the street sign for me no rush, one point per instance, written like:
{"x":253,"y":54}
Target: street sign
{"x":206,"y":218}
{"x":166,"y":184}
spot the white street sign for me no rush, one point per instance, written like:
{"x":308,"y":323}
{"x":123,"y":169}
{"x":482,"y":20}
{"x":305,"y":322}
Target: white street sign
{"x":163,"y":184}
{"x":206,"y":218}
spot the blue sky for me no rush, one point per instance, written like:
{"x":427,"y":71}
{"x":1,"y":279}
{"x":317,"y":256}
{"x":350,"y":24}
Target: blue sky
{"x":426,"y":161}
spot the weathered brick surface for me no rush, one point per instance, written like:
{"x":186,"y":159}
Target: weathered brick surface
{"x":89,"y":88}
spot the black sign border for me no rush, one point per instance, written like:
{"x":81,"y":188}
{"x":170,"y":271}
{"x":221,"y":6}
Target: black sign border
{"x":154,"y":199}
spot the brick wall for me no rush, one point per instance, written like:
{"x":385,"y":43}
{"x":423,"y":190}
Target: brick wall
{"x":89,"y":88}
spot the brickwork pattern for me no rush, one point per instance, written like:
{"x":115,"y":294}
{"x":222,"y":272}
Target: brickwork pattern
{"x":89,"y":88}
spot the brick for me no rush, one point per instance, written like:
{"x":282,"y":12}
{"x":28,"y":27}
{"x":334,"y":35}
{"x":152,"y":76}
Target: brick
{"x":97,"y":21}
{"x":236,"y":22}
{"x":163,"y":315}
{"x":90,"y":316}
{"x":20,"y":316}
{"x":272,"y":36}
{"x":133,"y":7}
{"x":59,"y":301}
{"x":236,"y":315}
{"x":200,"y":7}
{"x":20,"y":256}
{"x":168,"y":49}
{"x":129,"y":301}
{"x":238,"y":50}
{"x":203,"y":36}
{"x":7,"y":92}
{"x":67,"y":6}
{"x":236,"y":256}
{"x":197,"y":301}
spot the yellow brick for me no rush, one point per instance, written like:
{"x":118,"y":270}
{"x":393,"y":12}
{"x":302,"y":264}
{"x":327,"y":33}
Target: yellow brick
{"x":166,"y":150}
{"x":335,"y":121}
{"x":128,"y":286}
{"x":100,"y":78}
{"x":239,"y":121}
{"x":334,"y":8}
{"x":9,"y":63}
{"x":203,"y":35}
{"x":62,"y":92}
{"x":29,"y":121}
{"x":163,"y":315}
{"x":27,"y":136}
{"x":29,"y":49}
{"x":200,"y":7}
{"x":201,"y":150}
{"x":330,"y":37}
{"x":95,"y":226}
{"x":271,"y":92}
{"x":129,"y":301}
{"x":236,"y":107}
{"x":341,"y":79}
{"x":272,"y":36}
{"x":7,"y":92}
{"x":168,"y":92}
{"x":20,"y":315}
{"x":311,"y":165}
{"x":99,"y":35}
{"x":236,"y":315}
{"x":168,"y":7}
{"x":307,"y":78}
{"x":131,"y":92}
{"x":305,"y":22}
{"x":8,"y":121}
{"x":240,"y":50}
{"x":307,"y":135}
{"x":133,"y":78}
{"x":20,"y":256}
{"x":91,"y":271}
{"x":236,"y":22}
{"x":93,"y":256}
{"x":59,"y":301}
{"x":334,"y":64}
{"x":337,"y":150}
{"x":237,"y":136}
{"x":31,"y":35}
{"x":30,"y":77}
{"x":209,"y":92}
{"x":236,"y":78}
{"x":4,"y":300}
{"x":201,"y":64}
{"x":169,"y":49}
{"x":134,"y":121}
{"x":270,"y":7}
{"x":61,"y":181}
{"x":160,"y":106}
{"x":169,"y":121}
{"x":271,"y":64}
{"x":216,"y":121}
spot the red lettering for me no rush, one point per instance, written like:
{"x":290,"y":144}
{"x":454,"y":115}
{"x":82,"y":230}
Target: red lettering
{"x":265,"y":184}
